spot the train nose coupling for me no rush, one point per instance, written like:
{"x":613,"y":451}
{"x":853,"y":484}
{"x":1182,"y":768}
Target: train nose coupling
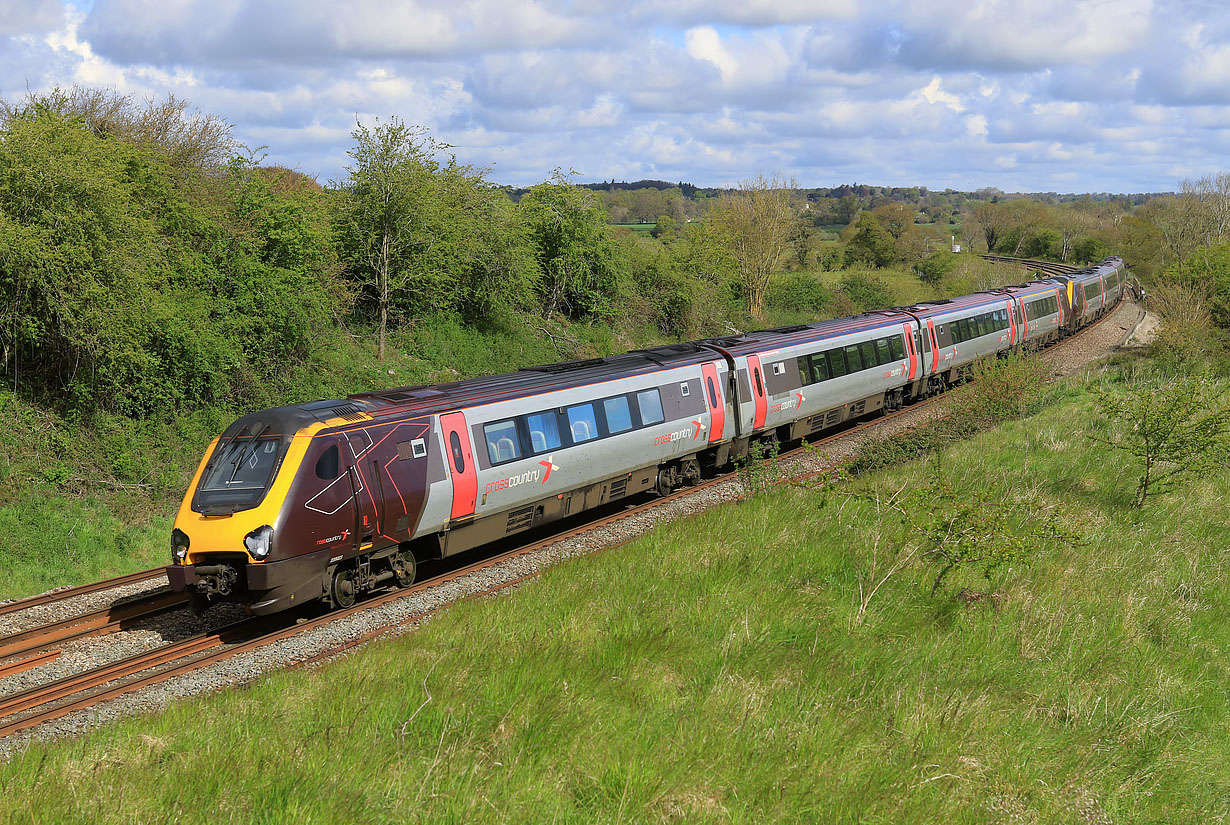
{"x":215,"y":579}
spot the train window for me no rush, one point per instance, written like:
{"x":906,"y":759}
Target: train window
{"x":244,"y":465}
{"x":583,"y":423}
{"x":980,"y":325}
{"x":805,"y":370}
{"x":459,"y":460}
{"x":618,"y":414}
{"x":759,"y":382}
{"x":544,"y":431}
{"x":328,"y":465}
{"x":883,"y":352}
{"x":837,"y":362}
{"x":650,"y":405}
{"x":502,"y":442}
{"x":713,"y":398}
{"x":820,"y":367}
{"x":868,"y":350}
{"x":854,"y":361}
{"x":897,"y":347}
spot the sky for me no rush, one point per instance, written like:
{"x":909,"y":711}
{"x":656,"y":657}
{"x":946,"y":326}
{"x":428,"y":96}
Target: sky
{"x":1046,"y":95}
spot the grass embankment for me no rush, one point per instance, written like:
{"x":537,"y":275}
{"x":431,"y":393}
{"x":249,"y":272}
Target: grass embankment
{"x":719,"y":670}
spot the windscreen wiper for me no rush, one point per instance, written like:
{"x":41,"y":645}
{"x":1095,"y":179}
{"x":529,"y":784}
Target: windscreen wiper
{"x":238,"y":462}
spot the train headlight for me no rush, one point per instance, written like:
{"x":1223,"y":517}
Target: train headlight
{"x":259,"y":542}
{"x":179,"y":545}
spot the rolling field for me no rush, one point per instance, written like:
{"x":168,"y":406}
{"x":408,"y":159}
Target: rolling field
{"x":725,"y":669}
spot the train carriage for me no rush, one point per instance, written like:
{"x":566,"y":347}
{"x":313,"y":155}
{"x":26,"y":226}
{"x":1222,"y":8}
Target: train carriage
{"x":802,"y":379}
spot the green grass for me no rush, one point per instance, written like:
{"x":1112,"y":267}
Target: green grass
{"x":718,"y":670}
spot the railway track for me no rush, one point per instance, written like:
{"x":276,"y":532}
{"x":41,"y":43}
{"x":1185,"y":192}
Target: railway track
{"x":83,"y":590}
{"x":43,"y":703}
{"x":1044,"y":267}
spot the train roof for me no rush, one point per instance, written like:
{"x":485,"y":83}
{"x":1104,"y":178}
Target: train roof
{"x":770,"y":339}
{"x":432,"y":398}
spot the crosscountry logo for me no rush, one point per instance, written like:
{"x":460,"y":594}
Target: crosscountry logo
{"x":550,"y":465}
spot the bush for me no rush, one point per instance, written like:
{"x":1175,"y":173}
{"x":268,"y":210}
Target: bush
{"x":1176,"y":427}
{"x":867,"y":292}
{"x":800,"y":292}
{"x":1005,"y":389}
{"x":933,"y":268}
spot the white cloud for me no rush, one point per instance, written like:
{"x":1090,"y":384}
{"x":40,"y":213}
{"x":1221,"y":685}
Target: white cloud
{"x":934,"y":94}
{"x":1104,"y":95}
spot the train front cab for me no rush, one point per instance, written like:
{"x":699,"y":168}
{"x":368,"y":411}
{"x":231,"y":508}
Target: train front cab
{"x":284,"y":509}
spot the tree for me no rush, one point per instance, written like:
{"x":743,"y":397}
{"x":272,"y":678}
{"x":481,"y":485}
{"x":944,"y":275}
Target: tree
{"x":895,"y":217}
{"x":756,"y":224}
{"x":422,"y":233}
{"x":569,"y":235}
{"x":869,"y":243}
{"x":1175,"y":428}
{"x":386,"y":183}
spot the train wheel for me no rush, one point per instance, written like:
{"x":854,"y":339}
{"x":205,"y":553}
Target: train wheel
{"x":403,"y":568}
{"x":342,"y":590}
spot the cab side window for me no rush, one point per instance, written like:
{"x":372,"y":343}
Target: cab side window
{"x":328,"y":466}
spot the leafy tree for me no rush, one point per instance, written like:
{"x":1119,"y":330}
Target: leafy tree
{"x":867,"y":292}
{"x":186,"y":139}
{"x":896,"y":218}
{"x":421,"y":233}
{"x":869,"y":243}
{"x":379,"y":208}
{"x":847,"y":208}
{"x":756,"y":224}
{"x":1087,"y":250}
{"x":933,"y":269}
{"x":570,"y":238}
{"x":1177,"y":427}
{"x":1043,"y":243}
{"x":125,"y":290}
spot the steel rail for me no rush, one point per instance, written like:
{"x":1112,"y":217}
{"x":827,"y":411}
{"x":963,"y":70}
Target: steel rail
{"x":80,"y":590}
{"x":97,"y":623}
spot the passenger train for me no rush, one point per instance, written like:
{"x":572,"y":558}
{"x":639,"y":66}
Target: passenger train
{"x":331,"y":499}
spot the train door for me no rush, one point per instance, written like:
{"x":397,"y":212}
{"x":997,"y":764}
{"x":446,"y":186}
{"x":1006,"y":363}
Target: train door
{"x":713,"y":396}
{"x":935,"y":345}
{"x":1011,"y":323}
{"x":756,"y":376}
{"x":911,"y":350}
{"x":461,"y":463}
{"x":361,"y":472}
{"x":1059,"y":301}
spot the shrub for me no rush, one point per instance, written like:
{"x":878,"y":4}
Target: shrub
{"x":867,"y":292}
{"x":1176,"y":427}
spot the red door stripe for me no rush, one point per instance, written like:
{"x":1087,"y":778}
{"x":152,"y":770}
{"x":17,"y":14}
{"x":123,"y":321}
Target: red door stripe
{"x":713,"y":393}
{"x":755,"y":377}
{"x":461,"y":462}
{"x":909,"y":348}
